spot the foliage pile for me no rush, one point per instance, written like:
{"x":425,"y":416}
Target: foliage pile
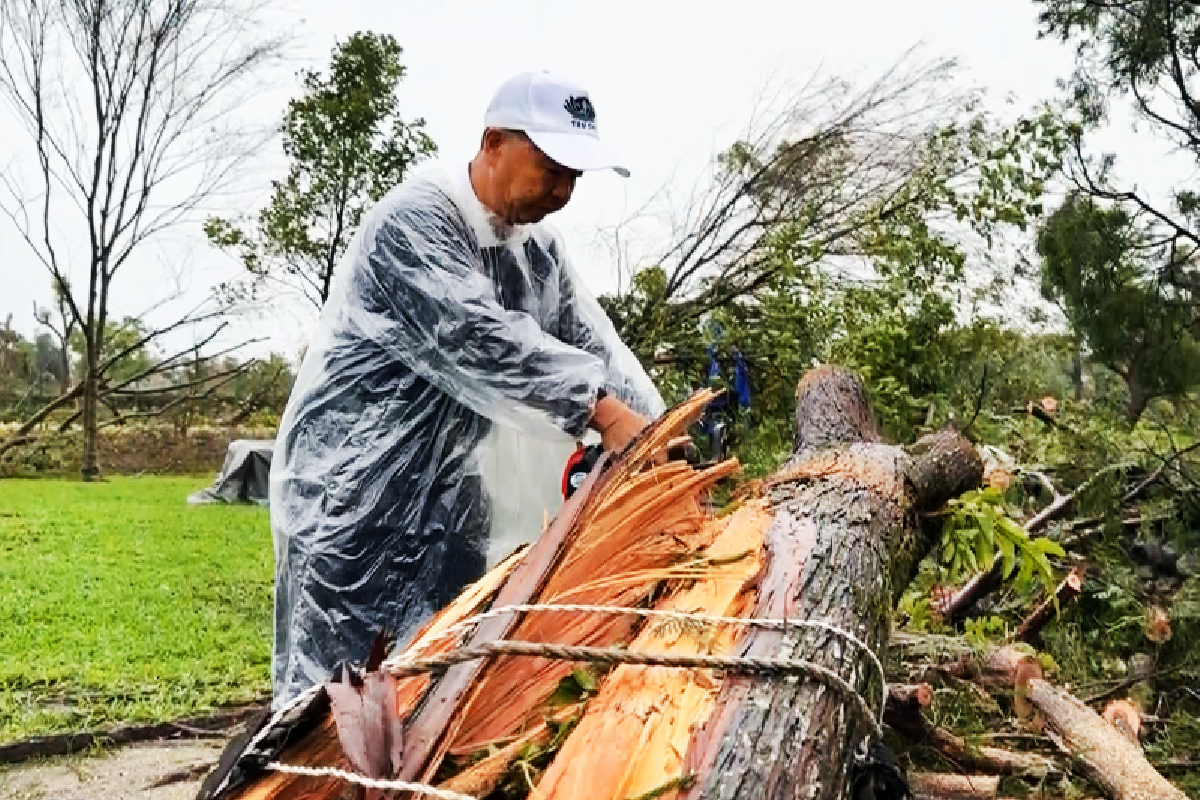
{"x":143,"y":449}
{"x":1132,"y":633}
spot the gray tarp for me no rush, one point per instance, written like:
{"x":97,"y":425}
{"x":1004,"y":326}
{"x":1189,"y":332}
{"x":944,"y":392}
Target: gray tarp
{"x":243,"y":477}
{"x":455,"y":363}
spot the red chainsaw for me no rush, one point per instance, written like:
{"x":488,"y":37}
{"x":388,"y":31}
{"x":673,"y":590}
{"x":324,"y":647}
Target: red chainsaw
{"x":583,"y":461}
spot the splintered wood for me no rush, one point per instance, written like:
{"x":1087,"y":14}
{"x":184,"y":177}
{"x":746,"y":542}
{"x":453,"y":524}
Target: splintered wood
{"x":827,"y":539}
{"x":636,"y":731}
{"x":640,"y":531}
{"x":634,"y":532}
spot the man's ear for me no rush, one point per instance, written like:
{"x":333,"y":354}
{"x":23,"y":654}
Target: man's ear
{"x":491,"y":141}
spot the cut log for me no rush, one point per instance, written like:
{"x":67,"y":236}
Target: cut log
{"x":1031,"y":628}
{"x":1112,"y":761}
{"x":909,"y":698}
{"x":843,"y":544}
{"x":940,"y":786}
{"x":1125,"y":717}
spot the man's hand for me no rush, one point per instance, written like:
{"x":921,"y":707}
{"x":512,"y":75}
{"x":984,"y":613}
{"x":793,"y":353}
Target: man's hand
{"x":616,"y":423}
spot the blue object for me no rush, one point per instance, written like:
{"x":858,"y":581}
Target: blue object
{"x":741,"y":379}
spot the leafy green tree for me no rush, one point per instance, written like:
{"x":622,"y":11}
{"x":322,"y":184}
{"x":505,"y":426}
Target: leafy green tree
{"x":1098,"y":265}
{"x":891,"y":316}
{"x":1145,"y":53}
{"x":348,"y":146}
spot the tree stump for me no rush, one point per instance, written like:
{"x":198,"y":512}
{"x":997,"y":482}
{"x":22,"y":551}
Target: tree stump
{"x":844,"y":542}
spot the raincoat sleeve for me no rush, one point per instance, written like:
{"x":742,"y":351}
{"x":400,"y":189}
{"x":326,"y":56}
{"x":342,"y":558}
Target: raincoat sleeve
{"x":585,"y":325}
{"x":426,"y":300}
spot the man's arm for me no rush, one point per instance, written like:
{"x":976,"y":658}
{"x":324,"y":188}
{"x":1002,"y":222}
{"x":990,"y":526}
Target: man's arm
{"x":417,"y":292}
{"x":585,"y":325}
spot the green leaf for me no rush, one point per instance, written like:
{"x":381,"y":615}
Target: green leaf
{"x":987,"y":520}
{"x":1050,"y":547}
{"x":585,"y":679}
{"x":1012,"y":529}
{"x":1008,"y":552}
{"x":985,"y":550}
{"x":1025,"y":575}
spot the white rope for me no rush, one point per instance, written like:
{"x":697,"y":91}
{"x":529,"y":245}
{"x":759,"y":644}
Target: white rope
{"x":370,"y":783}
{"x":770,"y":624}
{"x":399,"y":664}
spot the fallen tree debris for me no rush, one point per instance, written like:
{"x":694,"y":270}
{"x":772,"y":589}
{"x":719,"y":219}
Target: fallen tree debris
{"x":909,"y":722}
{"x":812,"y":583}
{"x":941,"y":786}
{"x":1068,"y":589}
{"x":215,"y":725}
{"x":1115,"y":763}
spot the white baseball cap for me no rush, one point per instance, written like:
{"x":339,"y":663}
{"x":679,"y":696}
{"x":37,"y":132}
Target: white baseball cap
{"x":557,"y":115}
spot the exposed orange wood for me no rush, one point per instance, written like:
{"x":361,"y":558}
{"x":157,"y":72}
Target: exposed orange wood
{"x":636,"y":731}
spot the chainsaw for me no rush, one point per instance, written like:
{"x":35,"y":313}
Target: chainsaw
{"x":579,"y":466}
{"x":581,"y":463}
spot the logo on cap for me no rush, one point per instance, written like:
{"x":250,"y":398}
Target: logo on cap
{"x":583,"y":113}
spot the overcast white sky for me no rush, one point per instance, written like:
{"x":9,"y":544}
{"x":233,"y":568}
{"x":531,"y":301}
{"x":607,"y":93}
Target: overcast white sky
{"x":672,"y":82}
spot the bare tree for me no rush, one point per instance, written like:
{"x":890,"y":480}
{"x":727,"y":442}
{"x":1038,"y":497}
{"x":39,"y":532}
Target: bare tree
{"x":127,"y":103}
{"x":823,"y":174}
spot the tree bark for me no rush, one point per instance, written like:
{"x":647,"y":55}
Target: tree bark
{"x":844,"y":542}
{"x":1115,"y":763}
{"x":939,"y":786}
{"x":1068,"y":589}
{"x":89,"y":467}
{"x":1138,"y":398}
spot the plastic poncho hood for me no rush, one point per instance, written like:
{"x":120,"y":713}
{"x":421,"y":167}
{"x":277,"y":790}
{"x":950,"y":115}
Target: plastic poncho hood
{"x":454,"y":365}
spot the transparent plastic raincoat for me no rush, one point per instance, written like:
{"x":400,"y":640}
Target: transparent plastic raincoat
{"x":454,"y":366}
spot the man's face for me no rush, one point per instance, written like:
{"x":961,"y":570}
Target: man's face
{"x":532,"y":185}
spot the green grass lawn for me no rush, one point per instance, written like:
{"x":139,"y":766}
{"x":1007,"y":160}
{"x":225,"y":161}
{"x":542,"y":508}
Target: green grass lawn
{"x":120,"y":603}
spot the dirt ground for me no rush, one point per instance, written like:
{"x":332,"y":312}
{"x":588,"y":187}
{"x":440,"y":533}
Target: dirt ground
{"x":126,"y":773}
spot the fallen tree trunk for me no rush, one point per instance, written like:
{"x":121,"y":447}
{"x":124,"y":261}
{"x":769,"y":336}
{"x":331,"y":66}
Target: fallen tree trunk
{"x":842,"y":546}
{"x":818,"y":557}
{"x":1112,"y":761}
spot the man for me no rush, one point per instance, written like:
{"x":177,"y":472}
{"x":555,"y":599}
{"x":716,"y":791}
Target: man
{"x":456,"y":361}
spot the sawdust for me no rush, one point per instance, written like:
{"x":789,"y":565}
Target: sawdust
{"x":124,"y":774}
